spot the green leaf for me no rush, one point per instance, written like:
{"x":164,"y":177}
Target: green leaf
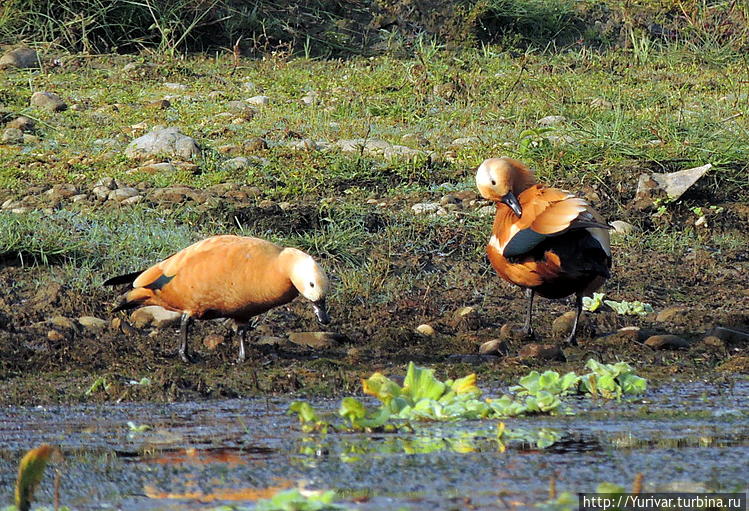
{"x":420,"y":383}
{"x":30,"y":473}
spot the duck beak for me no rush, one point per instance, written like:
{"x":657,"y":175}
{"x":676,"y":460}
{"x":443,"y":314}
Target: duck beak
{"x":321,"y":311}
{"x":512,"y":201}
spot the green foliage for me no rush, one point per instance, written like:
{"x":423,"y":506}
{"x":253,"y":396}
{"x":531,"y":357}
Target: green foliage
{"x":635,"y":308}
{"x":295,"y":500}
{"x":611,"y":381}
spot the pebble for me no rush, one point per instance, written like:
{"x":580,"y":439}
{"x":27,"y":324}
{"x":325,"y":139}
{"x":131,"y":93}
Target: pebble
{"x":541,"y":352}
{"x":674,"y":314}
{"x":425,"y":330}
{"x":55,"y":336}
{"x":255,"y":144}
{"x":62,"y":191}
{"x":667,"y":342}
{"x":258,"y":100}
{"x":93,"y":323}
{"x":466,"y":318}
{"x":562,"y":326}
{"x":213,"y":341}
{"x":159,"y":104}
{"x":12,"y":136}
{"x":176,"y":86}
{"x":22,"y":123}
{"x":494,"y":347}
{"x":153,"y":315}
{"x":318,"y":340}
{"x":551,"y":120}
{"x":135,"y":199}
{"x":48,"y":101}
{"x":62,"y":322}
{"x":21,"y":58}
{"x":120,"y":194}
{"x":163,"y":142}
{"x":236,"y":163}
{"x":622,"y":227}
{"x":423,"y":208}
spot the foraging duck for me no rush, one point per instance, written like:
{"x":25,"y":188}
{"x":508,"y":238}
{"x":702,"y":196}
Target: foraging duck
{"x":545,"y":240}
{"x":234,"y":277}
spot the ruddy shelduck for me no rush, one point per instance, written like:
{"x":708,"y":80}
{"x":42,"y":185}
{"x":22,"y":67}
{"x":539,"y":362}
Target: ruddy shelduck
{"x":544,"y":240}
{"x":234,"y":277}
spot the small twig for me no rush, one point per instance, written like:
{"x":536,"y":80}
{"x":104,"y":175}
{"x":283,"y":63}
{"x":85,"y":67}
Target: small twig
{"x":730,"y":117}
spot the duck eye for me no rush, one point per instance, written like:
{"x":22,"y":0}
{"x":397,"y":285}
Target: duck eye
{"x":494,"y":183}
{"x":311,"y":284}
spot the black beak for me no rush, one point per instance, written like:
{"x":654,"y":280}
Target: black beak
{"x":512,"y":201}
{"x":321,"y":311}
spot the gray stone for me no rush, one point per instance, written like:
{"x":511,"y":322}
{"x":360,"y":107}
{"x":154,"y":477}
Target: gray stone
{"x":622,"y":227}
{"x":62,"y":191}
{"x":92,"y":323}
{"x":551,"y":120}
{"x":236,"y":163}
{"x":135,"y":199}
{"x":153,"y":315}
{"x":465,"y":141}
{"x":120,"y":194}
{"x":672,"y":185}
{"x":22,"y":123}
{"x":101,"y":192}
{"x":601,"y":103}
{"x":258,"y":100}
{"x":305,"y":144}
{"x":21,"y":58}
{"x":163,"y":142}
{"x":106,"y":182}
{"x":12,"y":136}
{"x":48,"y":101}
{"x":176,"y":86}
{"x":423,"y":208}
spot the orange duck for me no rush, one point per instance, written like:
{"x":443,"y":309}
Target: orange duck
{"x":545,"y":240}
{"x":232,"y":277}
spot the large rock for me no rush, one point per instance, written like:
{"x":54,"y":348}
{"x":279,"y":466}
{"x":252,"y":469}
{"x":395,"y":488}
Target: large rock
{"x":163,"y":142}
{"x":671,"y":186}
{"x":48,"y":101}
{"x":21,"y":58}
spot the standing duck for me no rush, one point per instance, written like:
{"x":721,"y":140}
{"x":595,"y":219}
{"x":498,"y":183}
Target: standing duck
{"x":234,"y":277}
{"x":545,"y":240}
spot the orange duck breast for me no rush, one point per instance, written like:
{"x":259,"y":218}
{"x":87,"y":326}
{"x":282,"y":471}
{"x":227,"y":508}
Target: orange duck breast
{"x":232,"y":277}
{"x":545,"y":240}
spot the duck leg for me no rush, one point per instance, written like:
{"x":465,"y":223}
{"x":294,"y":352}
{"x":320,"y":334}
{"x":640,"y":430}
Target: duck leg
{"x":242,"y":332}
{"x":184,"y":329}
{"x":572,"y":339}
{"x":527,"y":329}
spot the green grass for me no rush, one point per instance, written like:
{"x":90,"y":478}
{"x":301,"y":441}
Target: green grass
{"x":675,"y":109}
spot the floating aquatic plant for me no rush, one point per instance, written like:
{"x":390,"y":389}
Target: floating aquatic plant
{"x":611,"y":381}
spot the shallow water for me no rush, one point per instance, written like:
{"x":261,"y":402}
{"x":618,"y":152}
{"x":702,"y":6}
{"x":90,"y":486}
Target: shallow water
{"x":682,"y":437}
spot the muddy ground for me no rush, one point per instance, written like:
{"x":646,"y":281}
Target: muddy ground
{"x":45,"y":360}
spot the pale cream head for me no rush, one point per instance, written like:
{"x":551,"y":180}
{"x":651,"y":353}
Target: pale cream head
{"x":496,"y":177}
{"x":306,"y":275}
